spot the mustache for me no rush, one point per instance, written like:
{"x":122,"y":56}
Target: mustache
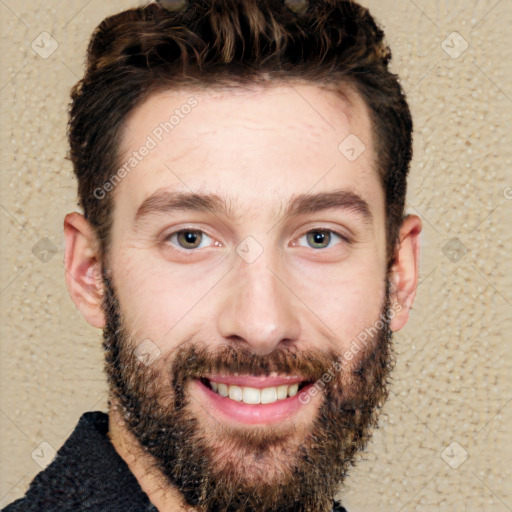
{"x":196,"y":361}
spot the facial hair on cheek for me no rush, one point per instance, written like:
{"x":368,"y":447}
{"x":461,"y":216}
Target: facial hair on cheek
{"x":157,"y":414}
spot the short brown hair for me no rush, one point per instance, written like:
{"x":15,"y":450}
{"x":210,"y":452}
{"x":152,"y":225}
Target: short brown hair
{"x":233,"y":43}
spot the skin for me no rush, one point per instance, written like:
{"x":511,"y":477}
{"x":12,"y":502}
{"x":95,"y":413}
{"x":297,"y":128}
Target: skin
{"x":260,"y":148}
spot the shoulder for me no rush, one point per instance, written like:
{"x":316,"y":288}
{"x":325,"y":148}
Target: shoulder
{"x":87,"y":474}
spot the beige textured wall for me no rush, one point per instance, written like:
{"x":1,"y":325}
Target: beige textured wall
{"x":452,"y":393}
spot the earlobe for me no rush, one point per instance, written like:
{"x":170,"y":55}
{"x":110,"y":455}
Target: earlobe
{"x":405,"y":271}
{"x":83,"y":269}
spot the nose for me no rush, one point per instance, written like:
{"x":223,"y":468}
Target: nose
{"x":257,"y":309}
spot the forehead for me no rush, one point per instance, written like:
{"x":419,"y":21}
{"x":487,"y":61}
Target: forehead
{"x":264,"y":142}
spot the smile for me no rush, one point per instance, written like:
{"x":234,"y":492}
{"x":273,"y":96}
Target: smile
{"x":250,"y":395}
{"x":250,"y":399}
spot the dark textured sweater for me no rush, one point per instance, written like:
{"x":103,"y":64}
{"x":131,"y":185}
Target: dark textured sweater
{"x":88,"y":474}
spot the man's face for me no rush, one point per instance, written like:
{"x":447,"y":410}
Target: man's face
{"x":247,"y":293}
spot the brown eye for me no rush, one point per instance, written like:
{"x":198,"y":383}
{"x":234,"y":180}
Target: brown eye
{"x":188,"y":239}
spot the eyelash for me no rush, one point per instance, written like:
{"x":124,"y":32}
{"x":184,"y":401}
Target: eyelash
{"x":169,"y":238}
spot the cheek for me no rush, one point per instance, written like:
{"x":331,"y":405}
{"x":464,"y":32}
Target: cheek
{"x":348,"y":300}
{"x":159,"y":300}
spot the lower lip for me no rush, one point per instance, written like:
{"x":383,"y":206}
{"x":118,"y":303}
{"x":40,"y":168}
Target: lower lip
{"x":255,"y":413}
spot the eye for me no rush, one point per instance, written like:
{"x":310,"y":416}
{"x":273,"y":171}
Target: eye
{"x":189,"y":239}
{"x":321,"y":238}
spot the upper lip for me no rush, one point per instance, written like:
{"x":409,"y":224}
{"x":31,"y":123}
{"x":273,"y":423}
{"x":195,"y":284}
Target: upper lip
{"x":255,"y":381}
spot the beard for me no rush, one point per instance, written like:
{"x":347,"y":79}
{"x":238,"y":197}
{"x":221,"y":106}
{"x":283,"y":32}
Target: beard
{"x":269,"y":468}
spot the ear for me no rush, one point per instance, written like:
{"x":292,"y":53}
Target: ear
{"x":405,"y":271}
{"x":83,"y":268}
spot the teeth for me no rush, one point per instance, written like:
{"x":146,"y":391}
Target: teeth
{"x":222,"y":389}
{"x":268,"y":395}
{"x":282,"y":392}
{"x":250,"y":395}
{"x":294,"y":388}
{"x":235,"y":393}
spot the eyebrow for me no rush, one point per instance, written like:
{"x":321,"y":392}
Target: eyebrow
{"x":165,"y":201}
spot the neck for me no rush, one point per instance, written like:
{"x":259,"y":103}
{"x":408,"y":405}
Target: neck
{"x":164,"y":497}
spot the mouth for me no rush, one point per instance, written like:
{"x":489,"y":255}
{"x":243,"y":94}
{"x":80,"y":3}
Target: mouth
{"x":249,"y":399}
{"x":255,"y":390}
